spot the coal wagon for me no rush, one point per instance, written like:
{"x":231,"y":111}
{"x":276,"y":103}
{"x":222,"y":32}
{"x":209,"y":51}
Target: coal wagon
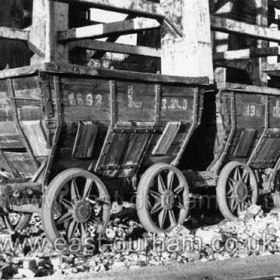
{"x":73,"y":139}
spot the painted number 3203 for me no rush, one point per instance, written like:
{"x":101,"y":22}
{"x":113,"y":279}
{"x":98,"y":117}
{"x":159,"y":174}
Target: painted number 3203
{"x":174,"y":104}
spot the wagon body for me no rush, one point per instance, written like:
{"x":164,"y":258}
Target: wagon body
{"x":108,"y":122}
{"x":78,"y":124}
{"x":247,"y":156}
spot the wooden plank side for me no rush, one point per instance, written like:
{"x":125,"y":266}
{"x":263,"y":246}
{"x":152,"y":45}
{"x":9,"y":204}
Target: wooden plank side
{"x":12,"y":141}
{"x":23,"y":83}
{"x":116,"y":150}
{"x":135,"y":102}
{"x":274,"y":112}
{"x":21,"y":162}
{"x":8,"y":127}
{"x":245,"y":142}
{"x":85,"y":113}
{"x":85,"y":139}
{"x":6,"y":114}
{"x":167,"y":138}
{"x":250,"y":110}
{"x":29,"y":94}
{"x":135,"y":148}
{"x":268,"y":153}
{"x":33,"y":131}
{"x":30,"y":113}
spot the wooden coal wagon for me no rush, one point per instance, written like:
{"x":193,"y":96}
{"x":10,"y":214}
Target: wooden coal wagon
{"x":238,"y":147}
{"x":75,"y":138}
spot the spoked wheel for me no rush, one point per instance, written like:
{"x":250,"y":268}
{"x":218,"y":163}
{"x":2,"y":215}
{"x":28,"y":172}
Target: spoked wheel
{"x":76,"y":205}
{"x":15,"y":221}
{"x":162,"y":198}
{"x":236,"y":189}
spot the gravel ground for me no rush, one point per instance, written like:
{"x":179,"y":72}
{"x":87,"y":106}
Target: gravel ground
{"x":126,"y":246}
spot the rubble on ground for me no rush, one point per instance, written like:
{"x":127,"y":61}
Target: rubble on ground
{"x":126,"y":245}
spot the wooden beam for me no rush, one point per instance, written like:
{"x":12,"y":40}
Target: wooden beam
{"x":246,"y":53}
{"x":272,"y":69}
{"x":13,"y":33}
{"x":236,"y":64}
{"x":101,"y":72}
{"x":233,"y":26}
{"x":140,"y":7}
{"x":115,"y":48}
{"x":103,"y":30}
{"x":248,"y":88}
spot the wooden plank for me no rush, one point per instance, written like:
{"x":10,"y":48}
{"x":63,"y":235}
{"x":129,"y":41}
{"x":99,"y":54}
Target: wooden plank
{"x":167,"y":138}
{"x":236,"y":64}
{"x":115,"y":48}
{"x":85,"y":139}
{"x":246,"y":53}
{"x":272,"y":69}
{"x":13,"y":33}
{"x":248,"y":89}
{"x":141,"y":7}
{"x":21,"y":162}
{"x":238,"y":27}
{"x":104,"y":73}
{"x":7,"y":128}
{"x":103,"y":30}
{"x":36,"y":137}
{"x":12,"y":141}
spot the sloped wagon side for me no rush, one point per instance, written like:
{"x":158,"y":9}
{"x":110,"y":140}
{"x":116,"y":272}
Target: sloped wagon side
{"x":250,"y":158}
{"x":74,"y":137}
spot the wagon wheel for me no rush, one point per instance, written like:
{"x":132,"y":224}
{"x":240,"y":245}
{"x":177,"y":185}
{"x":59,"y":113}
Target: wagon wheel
{"x":163,"y":198}
{"x":16,"y":221}
{"x":236,"y":189}
{"x":76,"y":205}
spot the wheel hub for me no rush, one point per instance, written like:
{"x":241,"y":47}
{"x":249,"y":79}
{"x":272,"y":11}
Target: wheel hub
{"x":167,"y":200}
{"x":81,"y":211}
{"x":241,"y":191}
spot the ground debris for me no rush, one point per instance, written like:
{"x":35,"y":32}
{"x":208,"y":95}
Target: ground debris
{"x":127,"y":246}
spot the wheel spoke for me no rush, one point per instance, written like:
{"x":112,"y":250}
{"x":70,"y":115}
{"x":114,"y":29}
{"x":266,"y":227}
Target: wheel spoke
{"x":161,"y":185}
{"x":179,"y":188}
{"x":74,"y":191}
{"x":155,"y":195}
{"x":237,"y":175}
{"x":88,"y":187}
{"x":67,"y":204}
{"x":84,"y":232}
{"x":170,"y":179}
{"x":172,"y":218}
{"x":65,"y":217}
{"x":230,"y":191}
{"x":71,"y":229}
{"x":233,"y":204}
{"x":245,"y":176}
{"x":162,"y":217}
{"x":156,"y":208}
{"x":180,"y":205}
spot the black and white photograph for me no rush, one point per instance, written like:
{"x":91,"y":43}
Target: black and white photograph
{"x":140,"y":139}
